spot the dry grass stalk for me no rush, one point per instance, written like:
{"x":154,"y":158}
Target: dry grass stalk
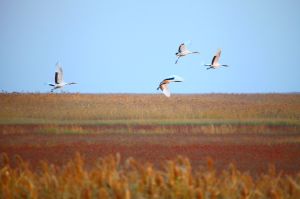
{"x":108,"y":178}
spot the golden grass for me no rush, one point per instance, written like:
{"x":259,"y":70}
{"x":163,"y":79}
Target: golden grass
{"x":110,"y":178}
{"x":142,"y":113}
{"x":51,"y":108}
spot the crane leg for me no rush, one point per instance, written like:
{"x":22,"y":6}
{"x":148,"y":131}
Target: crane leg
{"x":177,"y":60}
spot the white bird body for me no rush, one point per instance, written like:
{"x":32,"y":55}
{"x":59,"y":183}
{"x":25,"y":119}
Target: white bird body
{"x":215,"y":61}
{"x":58,"y":78}
{"x":163,"y":86}
{"x":56,"y":86}
{"x":183,"y":51}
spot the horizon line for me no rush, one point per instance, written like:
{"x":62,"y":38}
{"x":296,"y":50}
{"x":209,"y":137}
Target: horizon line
{"x":133,"y":93}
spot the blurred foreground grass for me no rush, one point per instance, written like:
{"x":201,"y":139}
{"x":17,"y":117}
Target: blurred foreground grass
{"x":110,"y":177}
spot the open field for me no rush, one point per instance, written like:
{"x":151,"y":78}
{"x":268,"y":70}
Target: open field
{"x":36,"y":125}
{"x":278,"y":109}
{"x":252,"y":131}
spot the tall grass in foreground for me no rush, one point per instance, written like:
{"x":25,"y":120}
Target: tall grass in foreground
{"x":109,"y":178}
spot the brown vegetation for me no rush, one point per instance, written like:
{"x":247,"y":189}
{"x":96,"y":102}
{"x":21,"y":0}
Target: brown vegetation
{"x":253,"y":131}
{"x":108,"y":178}
{"x":249,"y":151}
{"x":80,"y":108}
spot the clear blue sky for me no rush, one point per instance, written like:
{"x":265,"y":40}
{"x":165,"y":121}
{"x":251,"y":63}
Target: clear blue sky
{"x":129,"y":46}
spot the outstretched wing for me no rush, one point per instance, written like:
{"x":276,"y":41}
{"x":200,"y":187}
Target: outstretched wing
{"x":213,"y":60}
{"x":58,"y":74}
{"x":218,"y":53}
{"x":165,"y":90}
{"x":182,"y":48}
{"x":174,"y":78}
{"x":216,"y":57}
{"x":177,"y":78}
{"x":164,"y":84}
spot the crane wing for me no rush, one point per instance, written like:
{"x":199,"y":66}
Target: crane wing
{"x":58,"y":74}
{"x":182,"y":48}
{"x":218,"y":53}
{"x":216,"y":58}
{"x":164,"y":84}
{"x":165,"y":90}
{"x":213,"y":60}
{"x":177,"y":78}
{"x":174,"y":78}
